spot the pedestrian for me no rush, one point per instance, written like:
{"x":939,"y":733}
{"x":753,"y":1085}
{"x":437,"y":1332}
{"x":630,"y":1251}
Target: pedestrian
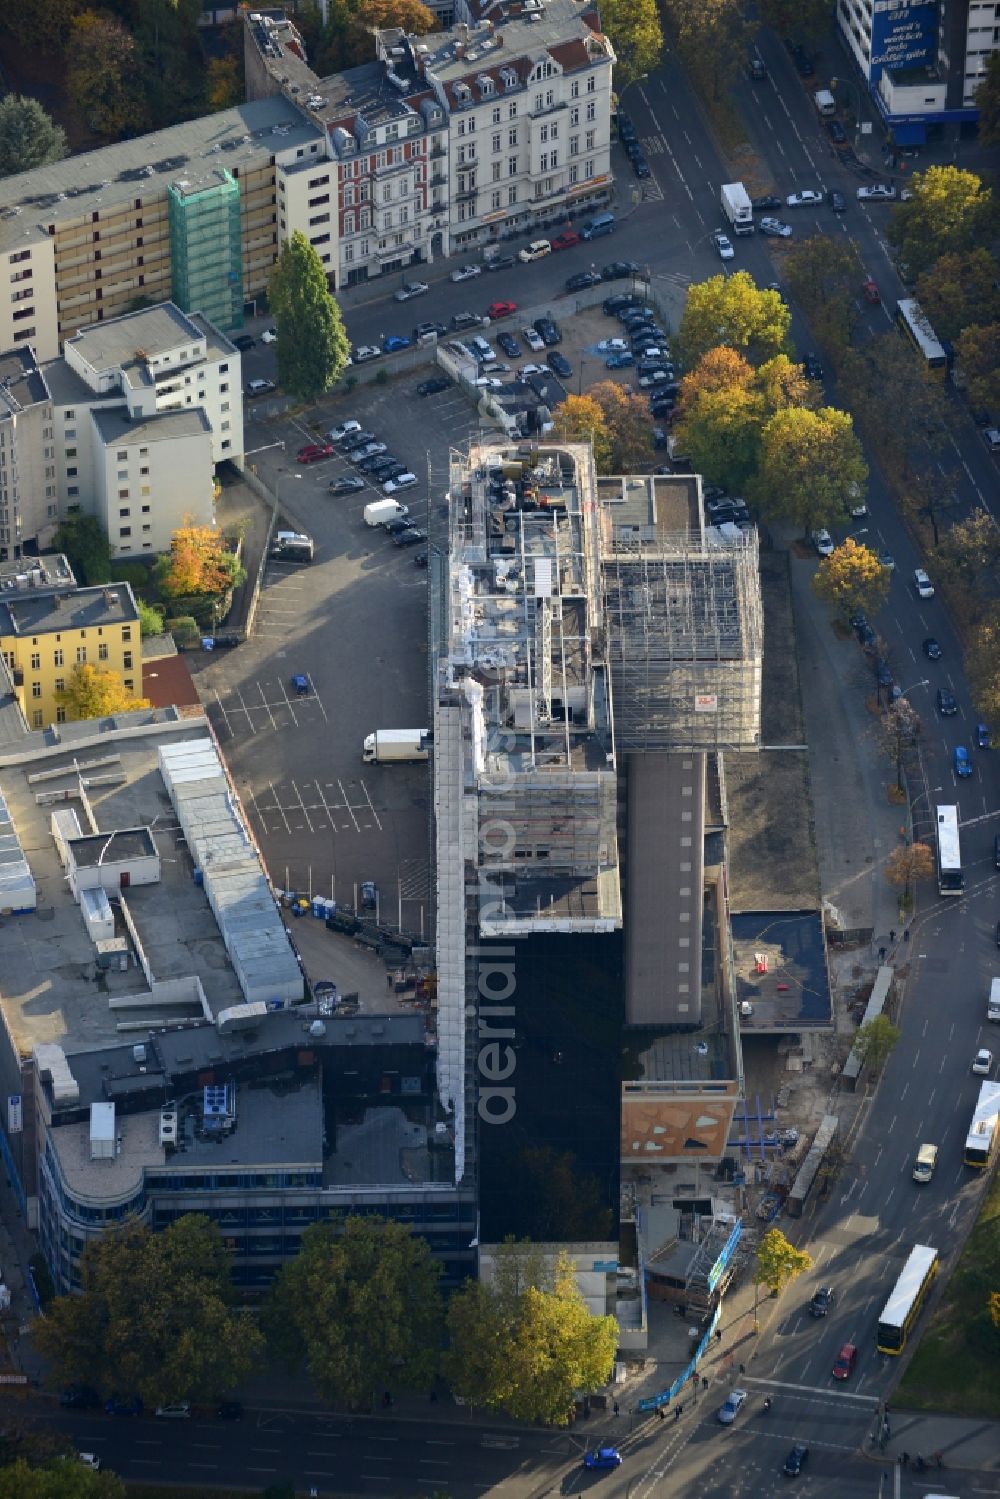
{"x":388,"y":981}
{"x":892,"y":934}
{"x":938,"y":1458}
{"x":904,"y":1459}
{"x":662,"y":1413}
{"x":617,"y":1411}
{"x":677,"y":1414}
{"x":906,"y":935}
{"x":743,"y":1368}
{"x":881,"y":954}
{"x":718,"y":1334}
{"x":704,"y":1381}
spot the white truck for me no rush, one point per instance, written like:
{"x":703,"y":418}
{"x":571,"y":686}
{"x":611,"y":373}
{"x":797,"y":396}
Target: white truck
{"x":387,"y":745}
{"x":737,"y":207}
{"x":379,"y":511}
{"x":825,"y":103}
{"x":993,"y":1003}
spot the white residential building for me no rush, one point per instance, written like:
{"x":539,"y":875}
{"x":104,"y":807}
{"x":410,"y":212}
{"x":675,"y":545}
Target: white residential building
{"x":29,"y":509}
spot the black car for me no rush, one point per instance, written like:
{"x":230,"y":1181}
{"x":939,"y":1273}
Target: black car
{"x":867,"y":637}
{"x":613,"y":305}
{"x":635,"y":311}
{"x":883,"y":674}
{"x":348,"y":484}
{"x":396,"y":525}
{"x":836,"y":132}
{"x":356,"y":440}
{"x":229,"y":1410}
{"x":812,"y":367}
{"x":392,"y":470}
{"x":931,"y":649}
{"x":560,"y":365}
{"x":79,"y":1397}
{"x":824,"y":1297}
{"x":547,"y":330}
{"x":245,"y":343}
{"x":640,"y":167}
{"x":411,"y":537}
{"x":500,"y":263}
{"x":619,"y":269}
{"x":465,"y":320}
{"x":797,"y":1458}
{"x":434,"y":385}
{"x":582,"y":280}
{"x":509,"y":343}
{"x":423,"y":329}
{"x":767,"y":202}
{"x":836,"y":201}
{"x":371,"y":464}
{"x":946,"y":702}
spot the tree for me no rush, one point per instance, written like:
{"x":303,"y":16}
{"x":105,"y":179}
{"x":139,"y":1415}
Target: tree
{"x":824,"y":274}
{"x":802,"y":21}
{"x":150,"y":619}
{"x":982,"y":665}
{"x":811,"y":467}
{"x":312,"y":341}
{"x":875,"y":1040}
{"x":732,"y":310}
{"x":903,"y":410}
{"x":63,"y":1477}
{"x":951,"y":210}
{"x":103,"y":75}
{"x":223,"y":82}
{"x":712,"y":38}
{"x":527,"y":1344}
{"x":778,"y":1263}
{"x":636,"y":35}
{"x":154,"y":1317}
{"x":28,"y":138}
{"x":93,"y":692}
{"x":725,"y":403}
{"x":553,"y":1197}
{"x":173,"y":75}
{"x":967,"y":558}
{"x":360,"y":1308}
{"x":626,"y":416}
{"x":908,"y":864}
{"x":85,"y":542}
{"x":581,"y":419}
{"x":977,"y":355}
{"x":899,"y":728}
{"x":199,"y":562}
{"x":959,"y":290}
{"x":932,"y":494}
{"x":988,"y":102}
{"x":852,"y":580}
{"x":41,"y":24}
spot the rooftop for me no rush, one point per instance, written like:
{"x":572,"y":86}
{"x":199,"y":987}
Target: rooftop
{"x":42,"y":613}
{"x":21,"y":381}
{"x":49,"y":571}
{"x":114,"y":426}
{"x":145,"y":336}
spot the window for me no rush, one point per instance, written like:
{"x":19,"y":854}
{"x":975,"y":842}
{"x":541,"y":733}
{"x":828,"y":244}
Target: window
{"x":591,"y":110}
{"x":496,"y":115}
{"x":574,"y":145}
{"x":512,"y":195}
{"x":36,"y":661}
{"x":126,"y":632}
{"x":512,"y":137}
{"x":591,"y":138}
{"x":512,"y":167}
{"x":512,"y":111}
{"x":591,"y":85}
{"x":60,"y":684}
{"x":543,"y":134}
{"x":102,"y":651}
{"x":588,"y":169}
{"x":125,"y":531}
{"x":36,"y":689}
{"x":319,"y":218}
{"x":348,"y":223}
{"x":129,"y":684}
{"x":319,"y":239}
{"x":575,"y":89}
{"x":36,"y":718}
{"x":318,"y":202}
{"x":318,"y":181}
{"x":495,"y":200}
{"x":81,"y":655}
{"x":123,"y":494}
{"x":73,"y":489}
{"x":495,"y":143}
{"x":574,"y":175}
{"x":122,"y":455}
{"x":538,"y":102}
{"x":550,"y":98}
{"x":127,"y":660}
{"x":543,"y":162}
{"x":69,"y":415}
{"x":60,"y":716}
{"x":123,"y":514}
{"x":122,"y":474}
{"x":574,"y":116}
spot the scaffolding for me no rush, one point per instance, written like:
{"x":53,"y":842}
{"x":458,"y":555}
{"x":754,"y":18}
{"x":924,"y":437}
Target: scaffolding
{"x":684,"y":641}
{"x":206,"y":247}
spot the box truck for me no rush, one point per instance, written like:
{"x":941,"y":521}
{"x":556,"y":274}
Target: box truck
{"x":379,"y":511}
{"x":387,"y":745}
{"x":737,"y":207}
{"x":825,"y":103}
{"x":993,"y":1003}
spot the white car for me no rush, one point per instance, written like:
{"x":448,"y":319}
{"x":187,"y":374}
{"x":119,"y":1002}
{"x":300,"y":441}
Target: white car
{"x":534,"y":369}
{"x":269,"y":336}
{"x":466,"y":272}
{"x":729,"y":1411}
{"x":983,"y":1063}
{"x":777,"y":227}
{"x":858,"y":503}
{"x":411,"y":289}
{"x":402,"y":481}
{"x":804,"y":199}
{"x":533,"y":339}
{"x":721,"y":243}
{"x":90,"y":1460}
{"x":535,"y":251}
{"x":337,"y":434}
{"x":922,"y":583}
{"x":876,"y":191}
{"x":365,"y":352}
{"x":180,"y":1411}
{"x":823,"y":542}
{"x":489,"y":383}
{"x":612,"y":346}
{"x":991,"y":437}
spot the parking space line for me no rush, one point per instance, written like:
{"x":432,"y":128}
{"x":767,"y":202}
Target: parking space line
{"x":347,"y":804}
{"x":326,"y":807}
{"x":279,"y":807}
{"x":318,"y":700}
{"x":266,"y":705}
{"x":249,"y":793}
{"x":222,"y":710}
{"x":371,"y":807}
{"x":304,"y":807}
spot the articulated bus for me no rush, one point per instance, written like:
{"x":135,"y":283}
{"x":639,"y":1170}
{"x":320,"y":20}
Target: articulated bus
{"x":985,"y":1128}
{"x":912,"y":321}
{"x":951,"y":880}
{"x":900,"y":1311}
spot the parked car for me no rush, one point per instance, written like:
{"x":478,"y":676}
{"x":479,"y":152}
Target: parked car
{"x":565,"y":241}
{"x":300,"y":684}
{"x":887,"y":560}
{"x":762,"y":204}
{"x":640,"y":167}
{"x":465,"y":272}
{"x":179,"y":1411}
{"x":618,"y":301}
{"x":342,"y":430}
{"x":460,"y":320}
{"x":315,"y":452}
{"x":776,"y":227}
{"x":500,"y":309}
{"x":804,"y":198}
{"x":527,"y":370}
{"x":582,"y":280}
{"x":356,"y":438}
{"x":619,"y":361}
{"x":259,"y":387}
{"x":533,"y":339}
{"x":548,"y":330}
{"x":535,"y":251}
{"x":876,"y":192}
{"x":509,"y":344}
{"x":269,"y":336}
{"x":731,"y":1409}
{"x":347,"y":484}
{"x":411,"y":289}
{"x":244,"y":342}
{"x":424,"y":330}
{"x":560,"y":365}
{"x":123,"y":1405}
{"x":723,"y":245}
{"x":991,"y":437}
{"x":823,"y":542}
{"x":983,"y":1062}
{"x":405,"y":480}
{"x":923,"y":584}
{"x":364,"y":352}
{"x":836,"y":132}
{"x":501,"y":262}
{"x":411,"y":537}
{"x":434,"y":385}
{"x":79,"y":1397}
{"x":812,"y":366}
{"x":617,"y":270}
{"x":962,"y":762}
{"x":394,"y":342}
{"x":982,"y":736}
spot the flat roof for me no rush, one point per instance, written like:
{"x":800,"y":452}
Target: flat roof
{"x":32,"y":613}
{"x":21,"y":381}
{"x":781,"y":970}
{"x":152,"y":330}
{"x":114,"y":425}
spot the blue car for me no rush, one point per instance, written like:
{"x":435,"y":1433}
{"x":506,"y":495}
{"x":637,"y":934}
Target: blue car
{"x":120,"y":1405}
{"x":394,"y":343}
{"x":300,"y":685}
{"x":982,"y":736}
{"x":963,"y":765}
{"x":604,"y":1457}
{"x":619,"y":361}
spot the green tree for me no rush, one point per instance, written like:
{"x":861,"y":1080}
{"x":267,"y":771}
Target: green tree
{"x":626,"y":415}
{"x":811,"y":467}
{"x":150,"y":619}
{"x":40,"y":24}
{"x":636,"y":35}
{"x":977,"y":355}
{"x":824,"y":275}
{"x":903,"y":410}
{"x":733,"y":311}
{"x":852,"y":580}
{"x":931,"y":495}
{"x":804,"y":21}
{"x":154,"y":1317}
{"x":169,"y":48}
{"x":982,"y":665}
{"x":581,"y":419}
{"x":103,"y":75}
{"x":712,"y":39}
{"x":967,"y":559}
{"x":28,"y":138}
{"x":959,"y":289}
{"x":988,"y":102}
{"x":875,"y":1040}
{"x":778,"y":1263}
{"x":223,"y":82}
{"x":951,"y":210}
{"x":85,"y":542}
{"x":199,"y":562}
{"x":62,"y":1477}
{"x":359,"y":1307}
{"x":527,"y":1344}
{"x":312,"y":343}
{"x":724,"y":405}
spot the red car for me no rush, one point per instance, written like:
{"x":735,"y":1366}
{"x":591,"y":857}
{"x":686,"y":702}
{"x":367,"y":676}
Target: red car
{"x":566,"y":240}
{"x":846,"y":1359}
{"x":500,"y":309}
{"x":314,"y":451}
{"x":870,"y":291}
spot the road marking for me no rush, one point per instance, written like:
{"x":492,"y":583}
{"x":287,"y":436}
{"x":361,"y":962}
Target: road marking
{"x":808,"y":1389}
{"x":357,"y":829}
{"x":304,"y":808}
{"x":371,"y":806}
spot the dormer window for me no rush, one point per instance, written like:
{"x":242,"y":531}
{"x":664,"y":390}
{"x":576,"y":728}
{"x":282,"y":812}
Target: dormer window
{"x":485,"y":85}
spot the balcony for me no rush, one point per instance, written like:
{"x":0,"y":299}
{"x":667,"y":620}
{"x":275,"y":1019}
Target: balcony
{"x":437,"y":153}
{"x":438,"y":179}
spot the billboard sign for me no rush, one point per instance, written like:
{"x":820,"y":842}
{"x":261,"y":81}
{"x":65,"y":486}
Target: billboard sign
{"x":904,"y":33}
{"x":15,"y":1114}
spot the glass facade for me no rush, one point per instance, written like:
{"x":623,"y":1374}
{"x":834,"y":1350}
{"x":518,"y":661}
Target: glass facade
{"x":205,"y":249}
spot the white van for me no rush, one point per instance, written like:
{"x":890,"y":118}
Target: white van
{"x":923,"y":1166}
{"x":402,"y":481}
